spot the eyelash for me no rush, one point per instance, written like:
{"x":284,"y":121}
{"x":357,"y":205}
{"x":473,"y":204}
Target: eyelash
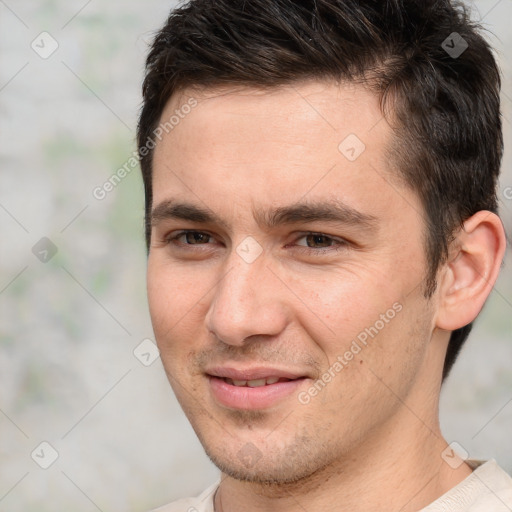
{"x":341,"y":244}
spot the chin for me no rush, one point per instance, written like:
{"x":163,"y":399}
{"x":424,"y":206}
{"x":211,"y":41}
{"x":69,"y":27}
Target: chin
{"x":268,"y":465}
{"x":261,"y":473}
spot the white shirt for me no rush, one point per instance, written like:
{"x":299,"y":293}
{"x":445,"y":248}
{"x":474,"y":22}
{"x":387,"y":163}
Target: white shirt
{"x":487,"y":489}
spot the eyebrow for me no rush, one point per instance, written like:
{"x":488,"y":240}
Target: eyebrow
{"x":333,"y":211}
{"x":169,"y":209}
{"x":308,"y":212}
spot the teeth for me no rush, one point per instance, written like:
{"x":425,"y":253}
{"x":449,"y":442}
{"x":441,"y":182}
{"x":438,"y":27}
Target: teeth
{"x":253,"y":383}
{"x":256,"y":383}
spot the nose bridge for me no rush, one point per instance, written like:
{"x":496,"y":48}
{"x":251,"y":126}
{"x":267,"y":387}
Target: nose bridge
{"x":245,"y":303}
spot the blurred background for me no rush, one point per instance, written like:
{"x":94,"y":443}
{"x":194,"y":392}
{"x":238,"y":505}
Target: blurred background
{"x":87,"y":419}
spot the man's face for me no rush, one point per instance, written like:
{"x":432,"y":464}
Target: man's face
{"x":292,"y":336}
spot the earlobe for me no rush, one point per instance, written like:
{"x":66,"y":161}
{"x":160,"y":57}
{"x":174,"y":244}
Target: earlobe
{"x":471,"y":270}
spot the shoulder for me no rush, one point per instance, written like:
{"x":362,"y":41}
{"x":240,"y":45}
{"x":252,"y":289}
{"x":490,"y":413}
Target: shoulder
{"x":496,"y":489}
{"x":201,"y":503}
{"x":488,"y":488}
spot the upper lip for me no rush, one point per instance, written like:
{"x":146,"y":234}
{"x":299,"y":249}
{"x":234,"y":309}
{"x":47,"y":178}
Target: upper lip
{"x":254,"y":373}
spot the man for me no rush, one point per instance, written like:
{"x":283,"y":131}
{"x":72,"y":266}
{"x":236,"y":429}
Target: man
{"x":321,"y":222}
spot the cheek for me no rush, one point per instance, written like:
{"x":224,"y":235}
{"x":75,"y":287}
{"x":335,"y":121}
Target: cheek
{"x":345,"y":301}
{"x":174,"y":298}
{"x":171,"y":310}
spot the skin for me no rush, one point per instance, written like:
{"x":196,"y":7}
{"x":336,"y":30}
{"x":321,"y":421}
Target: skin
{"x":371,"y":435}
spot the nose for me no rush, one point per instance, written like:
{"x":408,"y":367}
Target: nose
{"x":247,"y":302}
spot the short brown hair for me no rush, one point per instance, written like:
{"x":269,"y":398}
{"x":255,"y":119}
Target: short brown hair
{"x":426,"y":58}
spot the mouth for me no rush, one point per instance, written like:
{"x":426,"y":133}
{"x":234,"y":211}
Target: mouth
{"x":256,"y":383}
{"x":256,"y":388}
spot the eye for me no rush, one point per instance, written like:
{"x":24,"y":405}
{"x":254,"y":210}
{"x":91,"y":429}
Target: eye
{"x":317,"y":239}
{"x":320,"y":242}
{"x":190,"y":238}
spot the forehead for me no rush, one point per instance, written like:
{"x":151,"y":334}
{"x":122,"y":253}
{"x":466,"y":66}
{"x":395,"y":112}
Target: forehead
{"x":244,"y":147}
{"x":298,"y":114}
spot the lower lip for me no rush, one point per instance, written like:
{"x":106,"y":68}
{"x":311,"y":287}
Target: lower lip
{"x":244,"y":397}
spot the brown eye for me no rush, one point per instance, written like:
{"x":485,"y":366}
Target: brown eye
{"x":195,"y":237}
{"x":190,"y":238}
{"x":318,"y":241}
{"x":320,"y":244}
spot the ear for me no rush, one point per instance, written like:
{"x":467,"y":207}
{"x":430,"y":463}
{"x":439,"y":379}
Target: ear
{"x":472,"y":268}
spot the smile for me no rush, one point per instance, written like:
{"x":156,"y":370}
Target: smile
{"x":249,"y":389}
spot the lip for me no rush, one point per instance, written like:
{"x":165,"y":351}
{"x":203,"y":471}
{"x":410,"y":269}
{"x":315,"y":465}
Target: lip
{"x":255,"y":373}
{"x":247,"y":398}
